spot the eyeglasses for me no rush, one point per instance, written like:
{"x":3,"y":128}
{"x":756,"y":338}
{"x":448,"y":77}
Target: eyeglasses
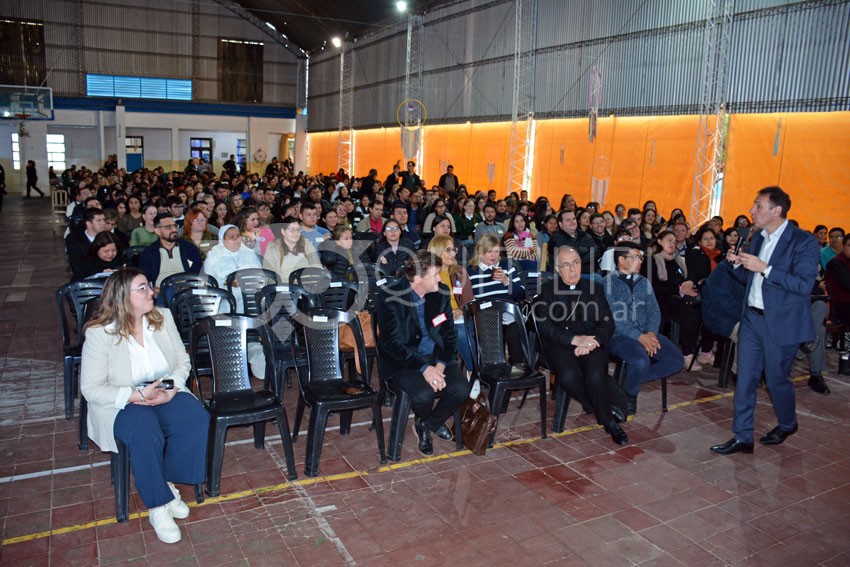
{"x":167,"y":226}
{"x":293,"y":229}
{"x":143,"y":288}
{"x":635,"y":257}
{"x":392,"y":229}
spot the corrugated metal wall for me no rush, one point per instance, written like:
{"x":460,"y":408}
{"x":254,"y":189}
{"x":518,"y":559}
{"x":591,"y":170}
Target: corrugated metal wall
{"x":151,"y":39}
{"x":785,"y":56}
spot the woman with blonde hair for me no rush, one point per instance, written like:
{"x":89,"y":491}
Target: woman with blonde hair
{"x":133,"y":376}
{"x":460,"y":289}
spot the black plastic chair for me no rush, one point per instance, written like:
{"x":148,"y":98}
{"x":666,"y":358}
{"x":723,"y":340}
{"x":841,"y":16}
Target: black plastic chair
{"x":341,"y":295}
{"x":132,"y":254}
{"x":278,"y":306}
{"x":190,"y":306}
{"x":250,"y":281}
{"x":727,"y":346}
{"x":313,"y":280}
{"x":72,"y":298}
{"x":233,"y":401}
{"x":484,"y":324}
{"x":401,"y":402}
{"x":533,"y":280}
{"x":120,"y":465}
{"x":172,"y":285}
{"x":323,"y":387}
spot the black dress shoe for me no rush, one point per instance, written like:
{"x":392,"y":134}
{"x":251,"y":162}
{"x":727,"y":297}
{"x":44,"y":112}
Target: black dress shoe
{"x":777,"y":436}
{"x":443,"y":433}
{"x":617,"y":434}
{"x":631,"y":404}
{"x":618,"y":414}
{"x":818,"y":384}
{"x":423,"y":436}
{"x":733,"y":446}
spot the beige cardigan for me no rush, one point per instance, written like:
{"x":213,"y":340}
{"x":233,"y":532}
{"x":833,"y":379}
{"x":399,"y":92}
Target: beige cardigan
{"x":106,"y":368}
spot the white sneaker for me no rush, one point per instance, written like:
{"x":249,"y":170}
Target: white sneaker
{"x":476,"y":389}
{"x":177,"y":507}
{"x":687,"y":366}
{"x":163,"y":524}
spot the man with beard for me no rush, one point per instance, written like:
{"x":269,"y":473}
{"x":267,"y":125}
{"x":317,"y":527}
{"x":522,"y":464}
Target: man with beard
{"x":169,"y":255}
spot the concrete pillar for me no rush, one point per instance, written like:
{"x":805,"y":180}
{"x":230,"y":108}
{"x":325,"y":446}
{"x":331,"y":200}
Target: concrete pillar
{"x":101,"y":136}
{"x":121,"y":135}
{"x":175,"y":150}
{"x":300,"y":142}
{"x":34,"y":147}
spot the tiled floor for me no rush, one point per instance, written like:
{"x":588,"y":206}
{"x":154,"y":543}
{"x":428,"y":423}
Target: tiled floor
{"x":572,"y":499}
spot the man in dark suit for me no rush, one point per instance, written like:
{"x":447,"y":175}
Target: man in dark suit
{"x":779,"y":273}
{"x":576,"y":326}
{"x":80,"y":238}
{"x":418,"y":346}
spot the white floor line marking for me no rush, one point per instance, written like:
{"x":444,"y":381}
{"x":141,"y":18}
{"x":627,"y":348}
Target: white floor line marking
{"x":323,"y":524}
{"x":38,"y":474}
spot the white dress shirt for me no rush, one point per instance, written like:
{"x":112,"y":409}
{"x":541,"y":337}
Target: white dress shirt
{"x":756,"y":298}
{"x":147,"y":364}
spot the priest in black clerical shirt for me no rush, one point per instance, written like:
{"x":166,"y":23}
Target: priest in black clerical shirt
{"x":576,"y":327}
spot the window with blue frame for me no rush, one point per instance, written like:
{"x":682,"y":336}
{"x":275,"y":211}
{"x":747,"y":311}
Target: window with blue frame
{"x":117,"y":86}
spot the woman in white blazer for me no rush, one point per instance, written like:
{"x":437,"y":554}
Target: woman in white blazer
{"x":131,"y":352}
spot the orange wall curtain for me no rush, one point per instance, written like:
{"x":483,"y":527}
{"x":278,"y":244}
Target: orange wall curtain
{"x":807,"y":154}
{"x":380,"y":149}
{"x":473,"y":149}
{"x":323,"y":152}
{"x":641,"y":158}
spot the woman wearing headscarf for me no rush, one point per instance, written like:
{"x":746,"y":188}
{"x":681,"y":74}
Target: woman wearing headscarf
{"x":228,"y":256}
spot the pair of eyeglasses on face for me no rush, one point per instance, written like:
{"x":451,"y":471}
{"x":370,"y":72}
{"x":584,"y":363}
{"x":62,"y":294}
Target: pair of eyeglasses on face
{"x":392,"y":229}
{"x":167,"y":226}
{"x":143,"y":288}
{"x":635,"y":257}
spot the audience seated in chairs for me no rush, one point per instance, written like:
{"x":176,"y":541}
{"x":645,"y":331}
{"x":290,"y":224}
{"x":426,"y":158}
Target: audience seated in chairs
{"x":79,"y":241}
{"x":392,"y":251}
{"x":418,"y":346}
{"x":228,"y":256}
{"x":105,"y":255}
{"x":676,"y":294}
{"x":341,"y":254}
{"x":576,"y":326}
{"x":169,"y":255}
{"x":460,"y":290}
{"x":290,"y":252}
{"x":492,"y":278}
{"x":637,"y":319}
{"x":131,"y":349}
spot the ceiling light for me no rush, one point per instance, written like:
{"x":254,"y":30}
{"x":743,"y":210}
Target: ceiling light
{"x":401,"y":6}
{"x":336,"y":41}
{"x":271,"y":26}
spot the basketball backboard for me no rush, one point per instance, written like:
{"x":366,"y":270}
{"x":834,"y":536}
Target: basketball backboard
{"x":18,"y":102}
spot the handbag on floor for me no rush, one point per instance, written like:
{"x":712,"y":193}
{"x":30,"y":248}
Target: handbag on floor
{"x":477,"y":423}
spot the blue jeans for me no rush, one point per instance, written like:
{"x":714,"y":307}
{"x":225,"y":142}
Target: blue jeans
{"x":666,"y":362}
{"x":463,"y":347}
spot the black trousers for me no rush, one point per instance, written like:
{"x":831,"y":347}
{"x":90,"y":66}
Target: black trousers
{"x":422,"y":396}
{"x":584,"y":378}
{"x":689,"y":319}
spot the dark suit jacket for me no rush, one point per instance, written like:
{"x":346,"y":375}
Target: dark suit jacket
{"x":589,"y":309}
{"x":787,"y":290}
{"x":190,"y":256}
{"x":77,"y":246}
{"x":400,"y":334}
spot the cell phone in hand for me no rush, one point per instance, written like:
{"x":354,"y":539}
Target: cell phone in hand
{"x":166,"y":385}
